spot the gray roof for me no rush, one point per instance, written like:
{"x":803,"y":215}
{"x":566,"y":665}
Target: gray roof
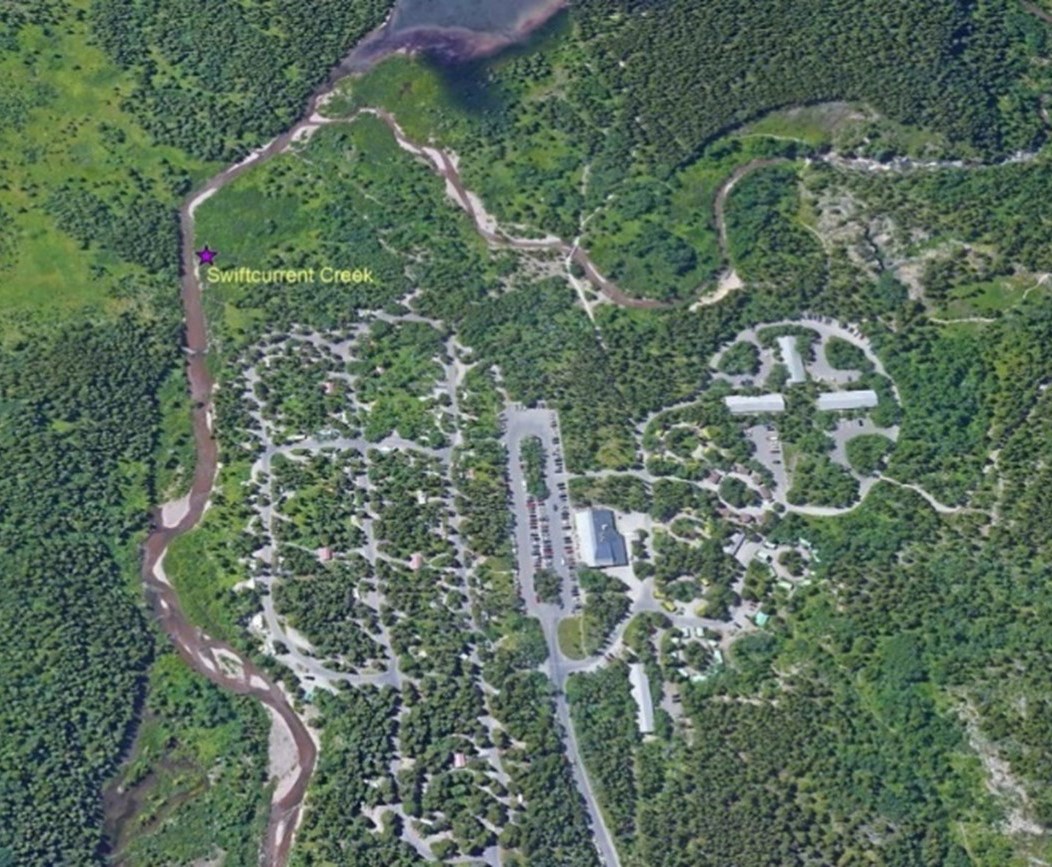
{"x":637,"y":677}
{"x":740,"y":404}
{"x":847,"y":399}
{"x":791,"y":358}
{"x":601,"y":544}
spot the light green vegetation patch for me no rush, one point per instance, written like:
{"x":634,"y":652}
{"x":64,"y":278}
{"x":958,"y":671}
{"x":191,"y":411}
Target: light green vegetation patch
{"x":846,"y":128}
{"x":571,"y":637}
{"x":625,"y":493}
{"x":203,"y":564}
{"x":810,"y":124}
{"x":175,"y":447}
{"x":992,"y":297}
{"x":66,"y":131}
{"x":350,"y":198}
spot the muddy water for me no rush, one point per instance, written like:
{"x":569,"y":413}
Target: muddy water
{"x":409,"y":27}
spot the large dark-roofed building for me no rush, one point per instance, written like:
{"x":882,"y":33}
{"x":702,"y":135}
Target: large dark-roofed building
{"x":601,"y":544}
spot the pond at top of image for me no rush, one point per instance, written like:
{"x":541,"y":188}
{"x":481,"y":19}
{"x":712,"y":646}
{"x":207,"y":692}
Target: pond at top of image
{"x":452,"y":31}
{"x":488,"y":16}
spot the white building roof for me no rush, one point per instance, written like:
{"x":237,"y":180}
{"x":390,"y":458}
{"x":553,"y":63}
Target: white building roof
{"x":743,"y":405}
{"x":791,"y":358}
{"x":860,"y":399}
{"x":637,"y":676}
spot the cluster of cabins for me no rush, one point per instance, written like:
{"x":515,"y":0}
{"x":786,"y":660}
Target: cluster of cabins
{"x":774,"y":403}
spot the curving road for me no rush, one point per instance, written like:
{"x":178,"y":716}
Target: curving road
{"x":521,"y":424}
{"x":219,"y":662}
{"x":201,"y":652}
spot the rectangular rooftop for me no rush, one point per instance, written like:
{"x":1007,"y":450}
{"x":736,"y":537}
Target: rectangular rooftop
{"x":601,"y":544}
{"x":834,"y":400}
{"x":791,"y":358}
{"x":744,"y":405}
{"x":637,"y":676}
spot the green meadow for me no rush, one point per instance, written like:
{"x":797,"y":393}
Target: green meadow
{"x":65,"y":128}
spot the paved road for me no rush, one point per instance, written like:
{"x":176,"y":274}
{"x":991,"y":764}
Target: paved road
{"x":521,"y":424}
{"x":195,"y":646}
{"x":311,"y":670}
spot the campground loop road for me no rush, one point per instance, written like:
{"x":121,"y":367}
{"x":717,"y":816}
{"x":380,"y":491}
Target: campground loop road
{"x":203,"y":653}
{"x":200,"y":650}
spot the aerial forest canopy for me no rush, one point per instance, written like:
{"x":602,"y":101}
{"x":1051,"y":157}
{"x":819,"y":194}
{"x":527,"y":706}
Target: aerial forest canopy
{"x":859,"y":724}
{"x":215,"y":77}
{"x":689,"y":71}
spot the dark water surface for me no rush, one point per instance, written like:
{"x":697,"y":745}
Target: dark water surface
{"x":492,"y":16}
{"x":453,"y":30}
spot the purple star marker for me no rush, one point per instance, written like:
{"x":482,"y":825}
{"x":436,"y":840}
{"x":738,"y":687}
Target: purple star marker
{"x":206,"y":256}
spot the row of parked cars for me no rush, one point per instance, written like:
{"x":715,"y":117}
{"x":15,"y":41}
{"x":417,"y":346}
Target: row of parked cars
{"x":540,"y":535}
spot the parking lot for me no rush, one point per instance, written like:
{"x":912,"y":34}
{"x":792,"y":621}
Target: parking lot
{"x":543,"y":529}
{"x":545,"y":549}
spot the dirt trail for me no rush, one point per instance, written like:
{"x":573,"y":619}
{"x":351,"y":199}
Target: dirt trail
{"x":489,"y":229}
{"x":725,"y":190}
{"x":205,"y":654}
{"x":1034,"y":9}
{"x":202,"y":652}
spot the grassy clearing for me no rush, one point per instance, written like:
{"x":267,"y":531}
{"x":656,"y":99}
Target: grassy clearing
{"x":64,"y":127}
{"x":571,"y":637}
{"x":841,"y":125}
{"x":175,"y":448}
{"x":813,"y":125}
{"x":990,"y":297}
{"x":412,"y":90}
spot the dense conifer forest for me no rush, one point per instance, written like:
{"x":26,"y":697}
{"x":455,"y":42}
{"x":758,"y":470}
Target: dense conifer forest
{"x":93,"y":418}
{"x":689,"y":71}
{"x":862,"y":723}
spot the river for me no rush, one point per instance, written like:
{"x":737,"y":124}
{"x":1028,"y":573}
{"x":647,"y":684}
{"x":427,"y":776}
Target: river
{"x":408,"y":27}
{"x":217,"y":661}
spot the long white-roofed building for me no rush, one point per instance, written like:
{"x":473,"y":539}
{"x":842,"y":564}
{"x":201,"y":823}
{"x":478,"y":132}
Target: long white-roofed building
{"x":791,"y":358}
{"x":637,"y":677}
{"x":842,"y":400}
{"x":740,"y":404}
